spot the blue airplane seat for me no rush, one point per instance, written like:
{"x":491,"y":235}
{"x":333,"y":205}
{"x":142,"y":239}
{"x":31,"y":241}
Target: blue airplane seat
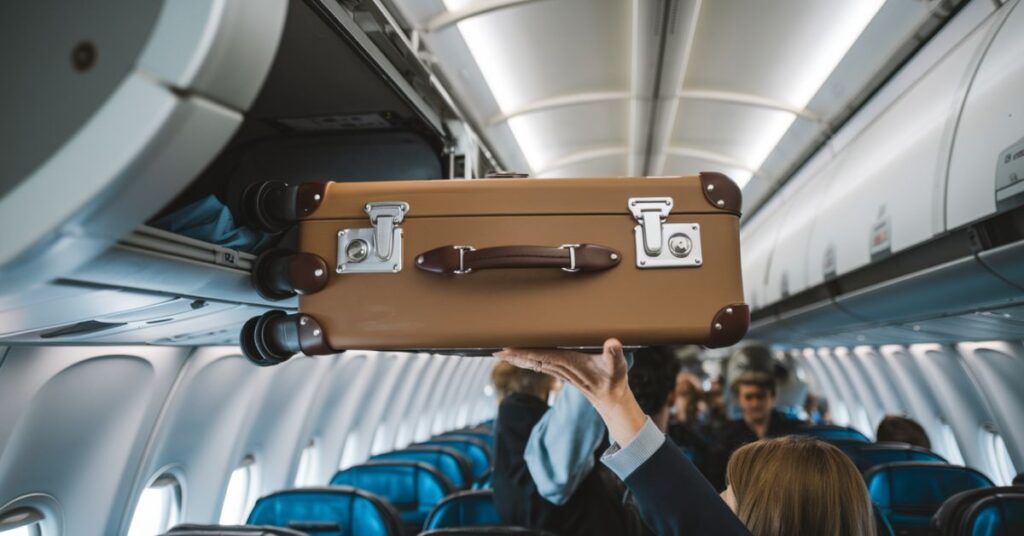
{"x":909,"y":493}
{"x":999,"y":514}
{"x":412,"y":488}
{"x":882,"y":525}
{"x":949,"y":519}
{"x":485,"y":481}
{"x":485,"y":436}
{"x":464,"y":509}
{"x":486,"y":531}
{"x":868,"y":456}
{"x":448,"y":461}
{"x":334,"y":511}
{"x":231,"y":530}
{"x":830,"y":432}
{"x":474,"y":449}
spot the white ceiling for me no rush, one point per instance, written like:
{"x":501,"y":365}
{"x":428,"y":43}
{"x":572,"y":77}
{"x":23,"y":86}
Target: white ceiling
{"x":565,"y":87}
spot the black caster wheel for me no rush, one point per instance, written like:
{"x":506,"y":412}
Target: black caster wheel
{"x":270,"y":339}
{"x":279,"y":274}
{"x":269,"y":206}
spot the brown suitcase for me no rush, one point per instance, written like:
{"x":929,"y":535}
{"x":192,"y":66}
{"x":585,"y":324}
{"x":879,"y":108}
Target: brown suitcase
{"x":482,"y":264}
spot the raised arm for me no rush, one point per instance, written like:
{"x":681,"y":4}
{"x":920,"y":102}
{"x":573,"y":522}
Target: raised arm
{"x":673,"y":497}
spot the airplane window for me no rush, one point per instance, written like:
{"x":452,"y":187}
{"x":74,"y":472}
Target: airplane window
{"x":488,"y":390}
{"x":308,"y":467}
{"x":158,"y":509}
{"x":1005,"y":471}
{"x":241,"y":494}
{"x":379,"y":440}
{"x":948,"y":446}
{"x":21,"y":522}
{"x":403,"y":438}
{"x":840,"y":414}
{"x":348,"y":453}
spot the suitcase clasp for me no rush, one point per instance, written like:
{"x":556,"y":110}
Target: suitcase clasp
{"x":376,"y":249}
{"x":681,"y":248}
{"x":385,"y":217}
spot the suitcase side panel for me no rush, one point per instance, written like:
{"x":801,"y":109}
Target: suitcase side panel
{"x":527,"y":307}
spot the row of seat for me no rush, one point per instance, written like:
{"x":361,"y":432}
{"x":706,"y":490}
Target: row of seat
{"x":426,"y":487}
{"x":917,"y":492}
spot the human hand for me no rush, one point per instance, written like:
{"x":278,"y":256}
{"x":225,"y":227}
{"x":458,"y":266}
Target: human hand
{"x":600,"y":377}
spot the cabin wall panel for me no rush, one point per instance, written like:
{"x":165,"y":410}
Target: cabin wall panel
{"x":870,"y":400}
{"x":998,"y":367}
{"x":832,"y":366}
{"x":880,"y":380}
{"x":74,"y":425}
{"x":920,"y":400}
{"x":432,"y":407}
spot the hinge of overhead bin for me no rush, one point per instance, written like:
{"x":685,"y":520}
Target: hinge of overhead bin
{"x":376,"y":249}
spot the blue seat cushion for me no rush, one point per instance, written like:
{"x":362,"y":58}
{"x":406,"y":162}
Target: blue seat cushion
{"x":412,"y":488}
{"x":474,"y":449}
{"x":829,"y":433}
{"x":868,"y":456}
{"x":1000,"y":514}
{"x":466,"y":509}
{"x":451,"y":463}
{"x":336,"y":511}
{"x":909,"y":493}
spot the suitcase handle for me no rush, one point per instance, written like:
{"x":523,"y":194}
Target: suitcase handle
{"x":573,"y":258}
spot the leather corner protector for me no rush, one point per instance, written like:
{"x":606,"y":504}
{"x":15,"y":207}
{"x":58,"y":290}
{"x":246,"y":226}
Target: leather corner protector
{"x":309,"y":197}
{"x":308,"y":273}
{"x":721,"y":192}
{"x":729,"y":325}
{"x":312,"y":338}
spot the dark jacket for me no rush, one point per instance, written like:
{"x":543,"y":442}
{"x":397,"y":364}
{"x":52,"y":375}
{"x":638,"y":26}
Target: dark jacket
{"x":675,"y":500}
{"x":734,"y":434}
{"x":596,"y":508}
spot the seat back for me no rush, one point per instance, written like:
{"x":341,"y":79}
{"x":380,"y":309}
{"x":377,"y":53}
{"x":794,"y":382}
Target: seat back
{"x":335,"y":511}
{"x":485,"y":481}
{"x":231,"y":530}
{"x":910,"y":493}
{"x":485,"y":436}
{"x":449,"y":462}
{"x":486,"y":531}
{"x":474,"y":449}
{"x":870,"y":455}
{"x":830,"y":432}
{"x":412,"y":488}
{"x":882,"y":525}
{"x":466,"y":509}
{"x":998,"y":514}
{"x":949,"y":518}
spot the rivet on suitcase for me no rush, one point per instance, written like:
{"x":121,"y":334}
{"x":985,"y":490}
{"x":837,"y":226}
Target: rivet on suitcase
{"x":472,"y":265}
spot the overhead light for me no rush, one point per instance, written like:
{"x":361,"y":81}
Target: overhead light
{"x":849,"y":21}
{"x":493,"y":57}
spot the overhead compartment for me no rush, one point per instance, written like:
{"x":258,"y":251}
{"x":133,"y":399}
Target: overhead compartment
{"x":986,"y":167}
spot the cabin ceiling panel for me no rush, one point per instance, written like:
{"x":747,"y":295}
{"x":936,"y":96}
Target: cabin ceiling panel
{"x":551,"y":137}
{"x":740,"y":132}
{"x":612,"y":165}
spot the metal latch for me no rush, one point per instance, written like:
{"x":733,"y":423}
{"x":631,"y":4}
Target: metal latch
{"x":374,"y":249}
{"x":660,"y":244}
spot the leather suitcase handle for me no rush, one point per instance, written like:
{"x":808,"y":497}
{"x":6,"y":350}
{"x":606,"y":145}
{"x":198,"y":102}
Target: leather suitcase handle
{"x":460,"y":260}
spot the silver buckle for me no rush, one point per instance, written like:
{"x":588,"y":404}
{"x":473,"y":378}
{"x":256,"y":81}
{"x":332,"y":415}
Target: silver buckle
{"x":572,"y":257}
{"x":462,"y":260}
{"x":650,"y":213}
{"x":384,"y":217}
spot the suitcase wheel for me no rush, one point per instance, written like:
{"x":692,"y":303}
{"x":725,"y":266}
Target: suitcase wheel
{"x":279,"y":274}
{"x":270,"y":339}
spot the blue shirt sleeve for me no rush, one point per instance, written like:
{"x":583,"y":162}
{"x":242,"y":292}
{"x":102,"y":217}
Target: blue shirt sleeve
{"x":560,"y":451}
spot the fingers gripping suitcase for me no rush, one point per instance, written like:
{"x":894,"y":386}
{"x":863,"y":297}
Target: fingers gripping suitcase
{"x":465,"y":265}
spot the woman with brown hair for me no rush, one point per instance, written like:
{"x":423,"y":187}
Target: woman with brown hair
{"x":777,"y":487}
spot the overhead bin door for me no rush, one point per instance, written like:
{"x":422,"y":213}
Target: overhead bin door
{"x":887,"y":193}
{"x":986,"y":168}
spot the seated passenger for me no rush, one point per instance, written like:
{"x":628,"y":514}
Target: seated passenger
{"x":777,"y":487}
{"x":902,"y":430}
{"x":755,"y":394}
{"x":685,"y":428}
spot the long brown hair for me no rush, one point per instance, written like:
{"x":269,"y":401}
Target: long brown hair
{"x":799,"y":485}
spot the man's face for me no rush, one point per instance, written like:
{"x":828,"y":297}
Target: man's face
{"x":755,"y":402}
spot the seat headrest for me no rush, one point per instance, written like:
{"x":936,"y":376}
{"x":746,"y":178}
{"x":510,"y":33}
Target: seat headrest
{"x":996,"y":515}
{"x":869,"y":455}
{"x":231,"y":530}
{"x":407,"y":485}
{"x":465,"y":509}
{"x":450,"y":462}
{"x":830,"y":432}
{"x":921,"y":486}
{"x":333,"y":511}
{"x":485,"y":481}
{"x":474,"y":449}
{"x":949,"y":517}
{"x":485,"y":436}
